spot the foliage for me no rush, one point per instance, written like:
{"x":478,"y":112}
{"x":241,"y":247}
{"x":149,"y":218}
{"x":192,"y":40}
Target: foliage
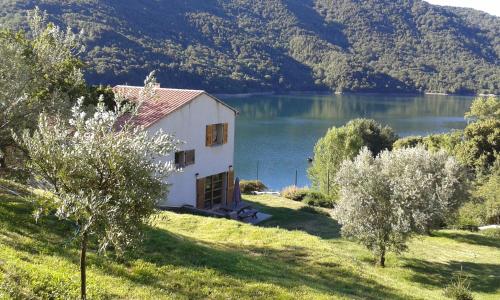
{"x":294,"y":193}
{"x":480,"y":148}
{"x":459,"y":288}
{"x":488,"y":192}
{"x":448,"y":142}
{"x":472,"y":213}
{"x":40,"y":72}
{"x":484,"y":206}
{"x":384,"y":199}
{"x":408,"y":142}
{"x":484,"y":109}
{"x":94,"y":94}
{"x":314,"y":198}
{"x":341,"y":143}
{"x":250,"y":186}
{"x":104,"y":171}
{"x":315,"y":210}
{"x":275,"y":45}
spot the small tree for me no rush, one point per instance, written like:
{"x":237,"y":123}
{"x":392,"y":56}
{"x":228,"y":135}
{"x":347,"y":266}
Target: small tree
{"x":384,"y":199}
{"x":480,"y":147}
{"x":108,"y":181}
{"x":484,"y":109}
{"x":341,"y":143}
{"x":39,"y":72}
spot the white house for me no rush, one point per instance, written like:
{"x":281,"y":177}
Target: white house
{"x":206,"y":125}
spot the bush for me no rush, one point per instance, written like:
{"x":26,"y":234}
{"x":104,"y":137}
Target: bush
{"x":472,"y":228}
{"x":459,"y":288}
{"x":314,"y":210}
{"x":491,"y":232}
{"x":318,"y":199}
{"x":294,"y":193}
{"x":250,"y":186}
{"x":471,"y":214}
{"x":408,"y":142}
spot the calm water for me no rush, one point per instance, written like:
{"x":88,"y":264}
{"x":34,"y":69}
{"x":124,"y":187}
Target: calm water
{"x":278,"y":133}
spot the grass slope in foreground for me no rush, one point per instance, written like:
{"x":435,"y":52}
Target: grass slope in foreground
{"x":296,"y":255}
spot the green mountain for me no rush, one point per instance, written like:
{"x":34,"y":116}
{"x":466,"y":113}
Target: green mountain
{"x":279,"y":45}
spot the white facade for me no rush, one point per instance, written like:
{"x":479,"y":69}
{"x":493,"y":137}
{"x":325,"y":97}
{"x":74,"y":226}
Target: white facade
{"x":188,"y":124}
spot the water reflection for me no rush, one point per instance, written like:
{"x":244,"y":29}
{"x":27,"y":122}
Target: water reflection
{"x":280,"y":131}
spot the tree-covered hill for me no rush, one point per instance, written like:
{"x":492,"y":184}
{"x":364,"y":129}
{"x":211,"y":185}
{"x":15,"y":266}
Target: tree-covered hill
{"x":264,"y":45}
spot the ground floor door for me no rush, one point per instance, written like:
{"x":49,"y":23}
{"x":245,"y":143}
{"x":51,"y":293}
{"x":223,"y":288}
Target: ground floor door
{"x":215,"y":190}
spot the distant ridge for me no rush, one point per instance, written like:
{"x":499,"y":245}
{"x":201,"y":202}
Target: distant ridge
{"x":241,"y":46}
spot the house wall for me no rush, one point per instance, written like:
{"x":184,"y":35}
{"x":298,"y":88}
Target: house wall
{"x":188,"y":124}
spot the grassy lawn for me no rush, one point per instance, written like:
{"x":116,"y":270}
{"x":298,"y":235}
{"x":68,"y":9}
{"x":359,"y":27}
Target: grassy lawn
{"x":298,"y":254}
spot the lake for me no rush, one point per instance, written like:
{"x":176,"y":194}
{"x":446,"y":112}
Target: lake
{"x":276,"y":134}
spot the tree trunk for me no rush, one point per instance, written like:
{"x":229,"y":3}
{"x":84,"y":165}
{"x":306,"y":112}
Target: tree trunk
{"x":382,"y":258}
{"x":83,"y":267}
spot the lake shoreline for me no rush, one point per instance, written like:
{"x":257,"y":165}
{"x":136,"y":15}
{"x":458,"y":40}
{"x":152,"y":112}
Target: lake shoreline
{"x":298,"y":93}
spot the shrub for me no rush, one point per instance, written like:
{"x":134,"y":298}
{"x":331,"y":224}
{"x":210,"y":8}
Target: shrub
{"x":491,"y":232}
{"x":318,"y":199}
{"x":472,"y":228}
{"x":408,"y":142}
{"x":249,"y":186}
{"x":314,"y":210}
{"x":459,"y":288}
{"x":294,"y":193}
{"x":471,"y":214}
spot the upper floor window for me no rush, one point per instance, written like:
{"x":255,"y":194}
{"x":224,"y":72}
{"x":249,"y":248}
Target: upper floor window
{"x":184,"y":158}
{"x":217,"y":134}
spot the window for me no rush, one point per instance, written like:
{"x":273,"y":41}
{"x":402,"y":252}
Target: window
{"x":214,"y":190}
{"x":217,"y":134}
{"x":184,"y":158}
{"x":218,"y":131}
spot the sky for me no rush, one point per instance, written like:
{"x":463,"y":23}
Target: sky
{"x":490,"y":6}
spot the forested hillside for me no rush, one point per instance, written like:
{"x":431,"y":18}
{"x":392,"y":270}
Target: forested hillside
{"x":279,"y":45}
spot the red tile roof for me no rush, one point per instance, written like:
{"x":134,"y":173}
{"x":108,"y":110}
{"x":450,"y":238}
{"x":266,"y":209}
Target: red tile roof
{"x":164,"y":102}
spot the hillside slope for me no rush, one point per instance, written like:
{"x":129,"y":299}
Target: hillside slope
{"x":259,"y":45}
{"x":296,"y":255}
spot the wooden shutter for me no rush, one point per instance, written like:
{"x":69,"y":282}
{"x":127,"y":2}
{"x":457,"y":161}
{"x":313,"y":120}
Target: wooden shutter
{"x":226,"y":129}
{"x":230,"y":188}
{"x":209,"y":138}
{"x":189,"y":157}
{"x":200,"y":193}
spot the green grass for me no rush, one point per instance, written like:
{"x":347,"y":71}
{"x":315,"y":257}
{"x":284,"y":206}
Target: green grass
{"x":296,"y":255}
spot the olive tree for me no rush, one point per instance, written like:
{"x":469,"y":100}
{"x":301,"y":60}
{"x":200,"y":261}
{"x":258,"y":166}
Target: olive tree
{"x":39,"y":72}
{"x":345,"y":142}
{"x":104,"y":171}
{"x":384,"y":199}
